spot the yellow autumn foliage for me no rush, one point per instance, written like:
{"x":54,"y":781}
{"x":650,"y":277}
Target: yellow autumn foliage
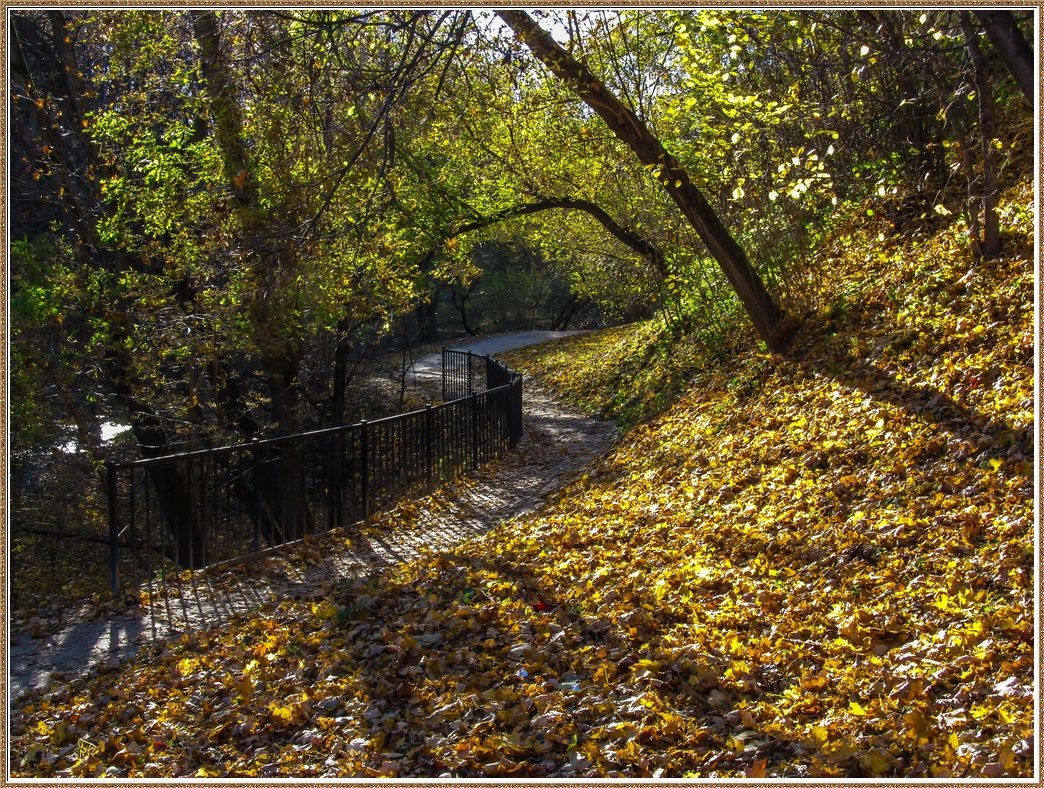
{"x":813,"y":566}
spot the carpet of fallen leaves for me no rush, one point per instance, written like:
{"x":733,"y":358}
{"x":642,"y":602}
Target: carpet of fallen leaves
{"x":626,"y":374}
{"x":806,"y":567}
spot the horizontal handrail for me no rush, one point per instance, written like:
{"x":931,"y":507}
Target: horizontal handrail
{"x":279,"y":439}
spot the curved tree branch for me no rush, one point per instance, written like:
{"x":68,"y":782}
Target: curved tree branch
{"x":636,"y":242}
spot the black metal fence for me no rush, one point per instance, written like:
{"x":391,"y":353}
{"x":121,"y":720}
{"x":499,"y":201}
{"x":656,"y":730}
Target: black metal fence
{"x":200,"y":508}
{"x":464,"y":373}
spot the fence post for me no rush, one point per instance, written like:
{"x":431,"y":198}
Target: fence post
{"x":364,"y":450}
{"x":333,"y":483}
{"x":114,"y":527}
{"x":516,"y":410}
{"x":474,"y":426}
{"x":254,"y":461}
{"x":444,"y":360}
{"x":429,"y":446}
{"x":191,"y":523}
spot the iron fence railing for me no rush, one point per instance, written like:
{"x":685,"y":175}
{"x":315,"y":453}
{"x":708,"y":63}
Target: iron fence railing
{"x":201,"y":508}
{"x":464,"y":373}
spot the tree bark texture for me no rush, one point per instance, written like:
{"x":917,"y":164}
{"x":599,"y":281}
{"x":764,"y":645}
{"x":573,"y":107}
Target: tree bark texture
{"x":989,"y":244}
{"x":1003,"y":32}
{"x":283,"y":477}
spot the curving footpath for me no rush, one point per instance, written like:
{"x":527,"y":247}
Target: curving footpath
{"x":556,"y":446}
{"x":430,"y":367}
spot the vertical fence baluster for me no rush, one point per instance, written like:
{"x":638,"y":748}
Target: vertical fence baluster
{"x":457,"y":440}
{"x":332,"y":479}
{"x":380,"y":456}
{"x":133,"y":529}
{"x":191,"y":521}
{"x":256,"y":473}
{"x":429,"y":446}
{"x":377,"y":476}
{"x":148,"y":523}
{"x":354,"y":455}
{"x":219,"y":511}
{"x":474,"y":429}
{"x":114,"y":529}
{"x":502,"y":413}
{"x":232,"y":517}
{"x":480,"y":428}
{"x":439,"y":451}
{"x":205,"y":463}
{"x":364,"y":452}
{"x":358,"y":460}
{"x":406,"y":452}
{"x":399,"y":443}
{"x":409,"y":459}
{"x":417,"y":445}
{"x":516,"y":411}
{"x":164,"y":535}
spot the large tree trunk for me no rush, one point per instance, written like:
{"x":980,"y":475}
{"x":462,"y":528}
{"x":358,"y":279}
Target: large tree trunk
{"x":989,"y":244}
{"x":283,"y":475}
{"x":427,"y":309}
{"x":172,"y":489}
{"x":460,"y":303}
{"x":626,"y":125}
{"x":171,"y":485}
{"x":426,"y":313}
{"x":339,"y":397}
{"x":1012,"y":47}
{"x":565,"y":314}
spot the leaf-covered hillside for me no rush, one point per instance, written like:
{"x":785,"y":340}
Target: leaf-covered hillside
{"x":805,"y":567}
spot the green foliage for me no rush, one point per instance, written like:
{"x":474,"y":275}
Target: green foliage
{"x":513,"y":288}
{"x":36,"y":312}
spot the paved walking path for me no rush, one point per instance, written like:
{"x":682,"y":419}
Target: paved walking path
{"x":556,"y":446}
{"x":429,"y":367}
